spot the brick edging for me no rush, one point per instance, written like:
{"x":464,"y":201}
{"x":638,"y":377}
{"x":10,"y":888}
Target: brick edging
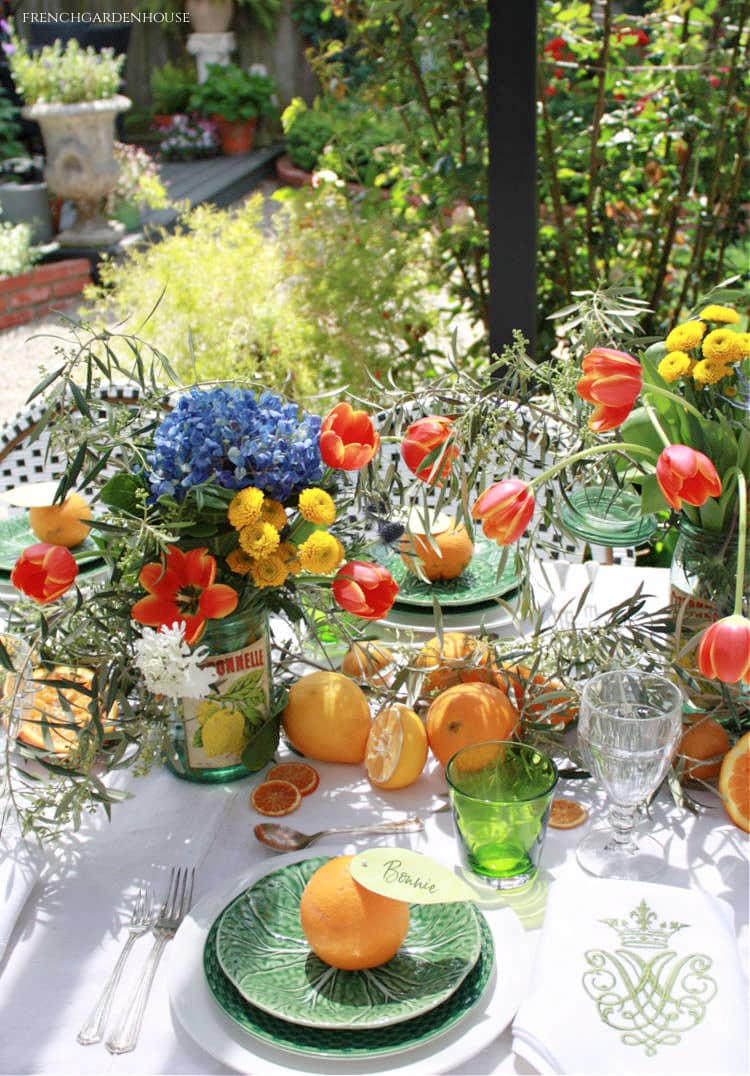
{"x":44,"y":288}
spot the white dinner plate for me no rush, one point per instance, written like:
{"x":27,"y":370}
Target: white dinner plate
{"x":205,"y":1022}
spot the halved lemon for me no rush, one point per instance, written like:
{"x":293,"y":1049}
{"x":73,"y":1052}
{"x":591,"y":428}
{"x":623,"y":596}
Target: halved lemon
{"x":396,"y":749}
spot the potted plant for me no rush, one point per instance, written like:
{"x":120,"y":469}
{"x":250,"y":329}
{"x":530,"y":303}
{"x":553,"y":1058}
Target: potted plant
{"x":214,"y":16}
{"x":24,"y":196}
{"x":171,"y":87}
{"x":234,"y":98}
{"x":71,"y":93}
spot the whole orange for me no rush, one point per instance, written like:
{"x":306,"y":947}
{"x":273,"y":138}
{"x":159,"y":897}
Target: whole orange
{"x":327,"y":717}
{"x":538,"y":698}
{"x":459,"y":659}
{"x":347,"y":925}
{"x":366,"y":661}
{"x":442,"y":555}
{"x":467,"y":714}
{"x":62,"y":524}
{"x":704,"y":738}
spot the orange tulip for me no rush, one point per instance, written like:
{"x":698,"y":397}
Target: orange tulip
{"x":724,"y":650}
{"x":612,"y":381}
{"x":684,"y":474}
{"x":429,"y":439}
{"x":505,"y":509}
{"x":348,"y":439}
{"x":44,"y":572}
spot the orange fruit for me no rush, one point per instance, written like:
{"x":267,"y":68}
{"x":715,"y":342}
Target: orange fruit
{"x":467,"y":714}
{"x":327,"y":718}
{"x":734,"y":783}
{"x":567,"y":814}
{"x":51,"y":724}
{"x":299,"y":774}
{"x":461,"y":659}
{"x":62,"y":524}
{"x":347,"y":925}
{"x":538,"y":698}
{"x":396,"y":748}
{"x":452,"y":555}
{"x":703,"y":739}
{"x":275,"y":798}
{"x":366,"y":661}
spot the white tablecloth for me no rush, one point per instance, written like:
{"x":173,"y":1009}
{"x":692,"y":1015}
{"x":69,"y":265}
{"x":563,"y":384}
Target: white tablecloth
{"x":72,"y":928}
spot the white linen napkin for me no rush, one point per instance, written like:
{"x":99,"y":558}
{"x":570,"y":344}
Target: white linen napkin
{"x":633,"y":977}
{"x":21,"y":862}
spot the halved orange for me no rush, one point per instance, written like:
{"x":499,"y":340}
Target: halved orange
{"x":299,"y":774}
{"x":567,"y":814}
{"x":275,"y":798}
{"x":396,"y":749}
{"x":734,"y":783}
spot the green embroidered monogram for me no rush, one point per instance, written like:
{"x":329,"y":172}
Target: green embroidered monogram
{"x":651,"y":1000}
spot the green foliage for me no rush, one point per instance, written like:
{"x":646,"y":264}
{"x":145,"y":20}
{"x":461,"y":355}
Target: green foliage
{"x":171,"y":87}
{"x":265,"y":12}
{"x":10,"y":129}
{"x":64,"y":74}
{"x":307,"y":132}
{"x":233,"y":93}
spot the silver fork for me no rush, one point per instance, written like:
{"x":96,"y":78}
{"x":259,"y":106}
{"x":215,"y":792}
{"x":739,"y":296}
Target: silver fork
{"x":174,"y":909}
{"x":140,"y":921}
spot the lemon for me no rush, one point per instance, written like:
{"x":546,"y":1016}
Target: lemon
{"x":223,"y":733}
{"x":396,"y":748}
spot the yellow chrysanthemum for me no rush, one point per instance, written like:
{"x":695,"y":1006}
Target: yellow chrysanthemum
{"x":259,"y":539}
{"x":273,"y":512}
{"x":707,"y":372}
{"x":321,"y":553}
{"x":239,"y":562}
{"x":288,"y":553}
{"x":684,"y":337}
{"x":724,"y":314}
{"x":721,"y":346}
{"x":244,"y":507}
{"x":269,"y":571}
{"x":743,"y":343}
{"x":675,"y":364}
{"x":316,"y":506}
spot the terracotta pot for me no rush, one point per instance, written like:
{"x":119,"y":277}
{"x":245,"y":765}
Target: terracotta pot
{"x":161,"y":121}
{"x":209,"y":16}
{"x":289,"y":174}
{"x":236,"y":135}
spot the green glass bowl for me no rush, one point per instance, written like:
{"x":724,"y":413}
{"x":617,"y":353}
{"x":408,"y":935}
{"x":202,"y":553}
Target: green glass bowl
{"x":606,"y":516}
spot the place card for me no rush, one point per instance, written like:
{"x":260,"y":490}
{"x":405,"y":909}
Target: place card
{"x":410,"y":876}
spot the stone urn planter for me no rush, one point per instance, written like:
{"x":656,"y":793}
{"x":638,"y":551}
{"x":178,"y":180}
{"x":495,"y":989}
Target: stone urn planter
{"x":209,"y":16}
{"x":79,"y":147}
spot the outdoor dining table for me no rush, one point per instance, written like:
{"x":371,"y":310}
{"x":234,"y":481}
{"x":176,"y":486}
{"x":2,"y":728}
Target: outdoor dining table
{"x":74,"y":923}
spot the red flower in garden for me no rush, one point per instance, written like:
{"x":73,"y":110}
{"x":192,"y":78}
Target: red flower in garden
{"x":684,"y":474}
{"x":724,"y":650}
{"x":641,"y":37}
{"x":183,"y":589}
{"x":44,"y":572}
{"x":505,"y":509}
{"x":366,"y":590}
{"x":427,"y":450}
{"x":348,"y":439}
{"x":612,"y":381}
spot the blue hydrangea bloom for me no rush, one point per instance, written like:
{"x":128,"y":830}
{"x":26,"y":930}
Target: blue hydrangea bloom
{"x":227,"y":437}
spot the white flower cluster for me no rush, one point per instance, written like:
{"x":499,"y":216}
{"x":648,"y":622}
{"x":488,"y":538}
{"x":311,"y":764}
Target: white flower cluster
{"x":16,"y":253}
{"x":168,"y":665}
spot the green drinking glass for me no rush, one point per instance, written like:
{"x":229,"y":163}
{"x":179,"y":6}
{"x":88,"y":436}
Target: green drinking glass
{"x":501,"y":793}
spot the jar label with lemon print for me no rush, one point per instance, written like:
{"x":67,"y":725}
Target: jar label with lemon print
{"x":219,"y":727}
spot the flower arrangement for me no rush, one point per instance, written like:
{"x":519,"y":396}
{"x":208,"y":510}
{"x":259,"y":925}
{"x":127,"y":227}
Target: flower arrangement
{"x":63,"y":74}
{"x":187,"y":138}
{"x":139,"y":182}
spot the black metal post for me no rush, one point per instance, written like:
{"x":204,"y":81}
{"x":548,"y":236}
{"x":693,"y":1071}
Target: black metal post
{"x":512,"y":200}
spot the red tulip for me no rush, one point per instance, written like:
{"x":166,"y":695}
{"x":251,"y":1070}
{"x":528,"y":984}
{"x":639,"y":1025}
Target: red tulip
{"x":686,"y":475}
{"x":348,"y":439}
{"x":44,"y":572}
{"x":183,"y":589}
{"x":612,"y":381}
{"x":366,"y":590}
{"x":724,"y":650}
{"x":505,"y":509}
{"x":429,"y":439}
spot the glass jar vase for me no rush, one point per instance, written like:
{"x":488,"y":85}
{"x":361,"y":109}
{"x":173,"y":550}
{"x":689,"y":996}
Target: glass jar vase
{"x":211,"y":735}
{"x":703,"y":575}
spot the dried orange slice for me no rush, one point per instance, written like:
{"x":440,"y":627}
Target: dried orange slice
{"x":567,"y":814}
{"x":299,"y":774}
{"x":734,"y":783}
{"x":275,"y":798}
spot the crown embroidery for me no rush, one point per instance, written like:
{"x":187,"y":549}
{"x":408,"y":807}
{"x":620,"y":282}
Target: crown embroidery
{"x":640,"y":929}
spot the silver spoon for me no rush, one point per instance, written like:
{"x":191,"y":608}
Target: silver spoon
{"x":286,"y":839}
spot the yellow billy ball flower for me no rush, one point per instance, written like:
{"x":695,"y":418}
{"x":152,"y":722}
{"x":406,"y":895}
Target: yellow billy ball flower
{"x":321,"y":553}
{"x":316,"y":506}
{"x":239,"y":562}
{"x":288,"y":553}
{"x":674,"y":365}
{"x":707,"y":372}
{"x":721,"y":346}
{"x":273,"y":512}
{"x":269,"y":571}
{"x":724,"y":314}
{"x":259,"y":539}
{"x":686,"y":336}
{"x":743,"y":344}
{"x":244,"y":507}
